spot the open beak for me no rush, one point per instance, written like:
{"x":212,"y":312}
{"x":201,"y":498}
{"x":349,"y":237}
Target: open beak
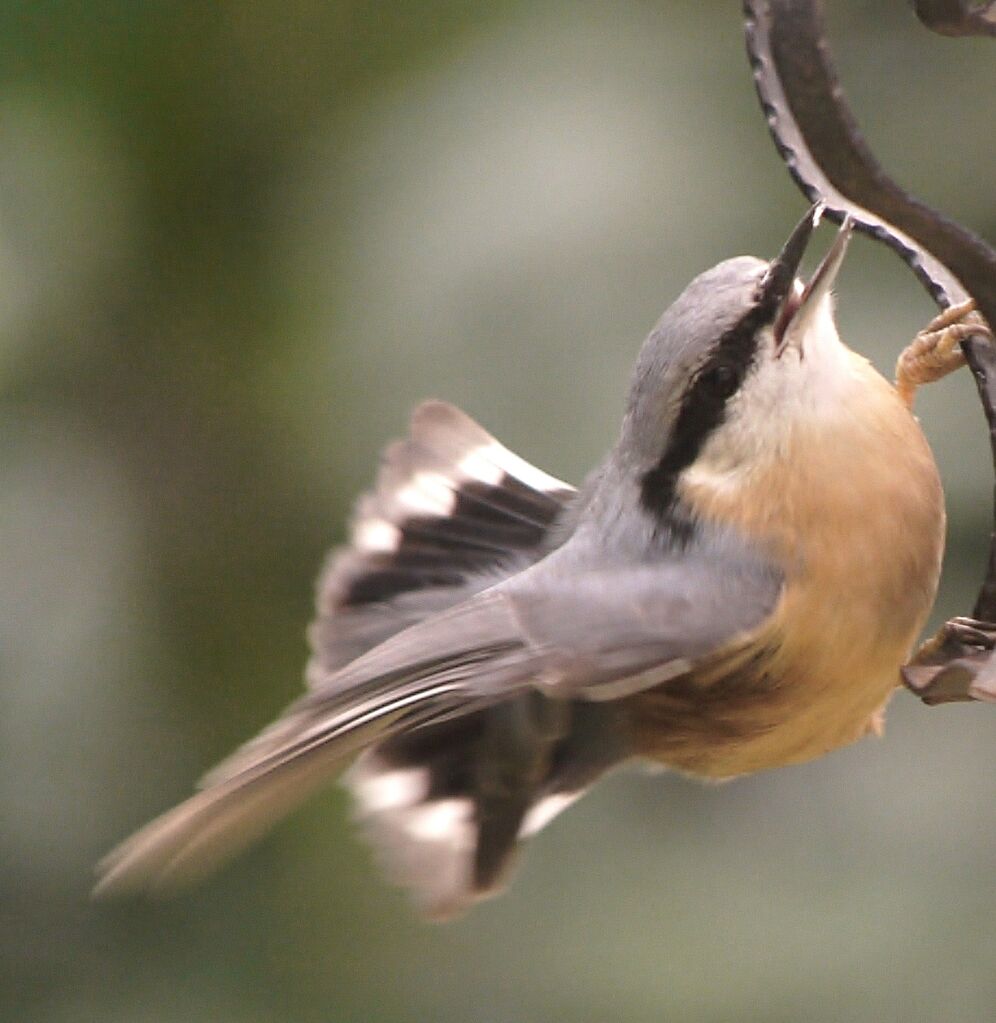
{"x":792,"y":303}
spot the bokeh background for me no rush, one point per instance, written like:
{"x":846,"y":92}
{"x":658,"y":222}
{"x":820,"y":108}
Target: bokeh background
{"x":238,"y":241}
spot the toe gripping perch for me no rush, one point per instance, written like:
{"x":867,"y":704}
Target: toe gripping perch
{"x":818,"y":138}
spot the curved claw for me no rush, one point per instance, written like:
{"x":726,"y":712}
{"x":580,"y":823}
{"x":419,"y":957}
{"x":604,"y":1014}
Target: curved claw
{"x":818,"y":138}
{"x":956,"y":665}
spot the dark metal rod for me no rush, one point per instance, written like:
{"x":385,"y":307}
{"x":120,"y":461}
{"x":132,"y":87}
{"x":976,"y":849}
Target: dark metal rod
{"x":818,"y":137}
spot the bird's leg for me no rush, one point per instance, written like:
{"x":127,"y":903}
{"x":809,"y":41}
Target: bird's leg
{"x":936,"y":350}
{"x":956,"y":664}
{"x":959,"y":662}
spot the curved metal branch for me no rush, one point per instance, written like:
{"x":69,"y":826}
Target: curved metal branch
{"x":819,"y":140}
{"x":957,"y":17}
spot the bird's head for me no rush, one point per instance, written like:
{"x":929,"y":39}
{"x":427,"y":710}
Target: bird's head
{"x":745,"y":353}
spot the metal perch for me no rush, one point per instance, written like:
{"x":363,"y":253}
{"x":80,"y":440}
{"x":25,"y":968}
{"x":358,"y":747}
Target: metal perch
{"x":819,"y":140}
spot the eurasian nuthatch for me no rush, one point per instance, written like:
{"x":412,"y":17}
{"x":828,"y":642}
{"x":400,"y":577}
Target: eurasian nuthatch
{"x":733,"y":589}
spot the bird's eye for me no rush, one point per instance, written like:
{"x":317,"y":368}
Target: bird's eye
{"x":721,"y":380}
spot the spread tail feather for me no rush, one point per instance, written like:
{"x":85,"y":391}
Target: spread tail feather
{"x":453,"y":510}
{"x":447,"y":808}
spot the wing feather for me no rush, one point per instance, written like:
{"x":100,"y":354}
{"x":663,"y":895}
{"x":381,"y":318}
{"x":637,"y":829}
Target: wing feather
{"x":570,"y":635}
{"x":453,"y":511}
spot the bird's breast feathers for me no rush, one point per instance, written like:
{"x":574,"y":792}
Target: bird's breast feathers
{"x":852,"y":510}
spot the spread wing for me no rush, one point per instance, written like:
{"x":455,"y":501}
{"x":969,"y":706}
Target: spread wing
{"x":597,"y":635}
{"x":452,"y":512}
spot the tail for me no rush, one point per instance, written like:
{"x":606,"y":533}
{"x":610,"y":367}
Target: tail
{"x":447,"y":808}
{"x":420,"y":676}
{"x":446,"y":795}
{"x":452,"y":512}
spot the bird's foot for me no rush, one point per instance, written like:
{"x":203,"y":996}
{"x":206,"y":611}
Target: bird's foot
{"x":957,"y":664}
{"x":936,"y":350}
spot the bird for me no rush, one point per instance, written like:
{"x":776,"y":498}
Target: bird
{"x":733,"y":589}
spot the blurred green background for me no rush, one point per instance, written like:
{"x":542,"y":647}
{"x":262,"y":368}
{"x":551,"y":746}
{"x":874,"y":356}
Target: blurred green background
{"x":238,"y":241}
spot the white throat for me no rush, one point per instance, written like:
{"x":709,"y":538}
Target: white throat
{"x":807,"y":386}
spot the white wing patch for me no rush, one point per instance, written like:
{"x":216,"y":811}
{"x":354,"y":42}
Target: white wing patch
{"x":390,"y":790}
{"x":490,"y":462}
{"x":443,"y":821}
{"x":450,"y":503}
{"x":423,"y":477}
{"x":376,"y":536}
{"x":428,"y":493}
{"x":452,"y":511}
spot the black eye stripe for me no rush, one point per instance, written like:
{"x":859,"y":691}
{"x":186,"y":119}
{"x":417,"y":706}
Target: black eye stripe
{"x":703,"y":408}
{"x":722,"y":380}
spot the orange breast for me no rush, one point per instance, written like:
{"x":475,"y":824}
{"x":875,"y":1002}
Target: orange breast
{"x":853,"y":510}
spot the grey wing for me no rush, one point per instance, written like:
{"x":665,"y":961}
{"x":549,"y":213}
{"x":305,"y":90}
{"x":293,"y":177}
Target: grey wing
{"x":569,"y":639}
{"x":426,"y":673}
{"x":598,"y":632}
{"x":448,"y":806}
